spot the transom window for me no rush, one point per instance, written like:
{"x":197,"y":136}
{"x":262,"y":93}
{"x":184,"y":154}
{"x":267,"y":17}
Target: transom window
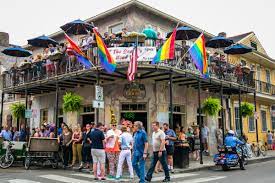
{"x":133,"y":107}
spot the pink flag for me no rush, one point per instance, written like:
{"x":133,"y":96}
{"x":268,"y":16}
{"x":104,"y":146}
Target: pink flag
{"x":132,"y":68}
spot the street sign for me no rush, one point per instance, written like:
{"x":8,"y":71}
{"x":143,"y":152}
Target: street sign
{"x":98,"y":104}
{"x":98,"y":92}
{"x":28,"y":113}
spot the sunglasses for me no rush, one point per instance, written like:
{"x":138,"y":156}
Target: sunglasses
{"x":113,"y":125}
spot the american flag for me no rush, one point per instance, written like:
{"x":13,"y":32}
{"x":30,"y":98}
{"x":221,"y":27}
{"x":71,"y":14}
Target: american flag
{"x":132,"y":68}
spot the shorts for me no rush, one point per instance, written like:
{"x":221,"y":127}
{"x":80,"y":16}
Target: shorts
{"x":204,"y":140}
{"x":98,"y":155}
{"x":169,"y":150}
{"x":269,"y":142}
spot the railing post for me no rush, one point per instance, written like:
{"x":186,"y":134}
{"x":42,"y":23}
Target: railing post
{"x":222,"y":115}
{"x":97,"y":109}
{"x":56,"y":105}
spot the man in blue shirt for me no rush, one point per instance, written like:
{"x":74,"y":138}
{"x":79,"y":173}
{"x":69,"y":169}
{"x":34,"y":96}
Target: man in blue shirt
{"x":140,"y":151}
{"x":22,"y":134}
{"x":169,"y":146}
{"x":6,"y":133}
{"x":231,"y":140}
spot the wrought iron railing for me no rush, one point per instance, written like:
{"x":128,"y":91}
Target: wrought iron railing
{"x":264,"y":87}
{"x":41,"y":70}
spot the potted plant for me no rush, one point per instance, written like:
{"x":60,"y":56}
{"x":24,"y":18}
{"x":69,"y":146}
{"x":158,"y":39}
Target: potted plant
{"x":247,"y":109}
{"x":71,"y":106}
{"x":211,"y":106}
{"x":18,"y":112}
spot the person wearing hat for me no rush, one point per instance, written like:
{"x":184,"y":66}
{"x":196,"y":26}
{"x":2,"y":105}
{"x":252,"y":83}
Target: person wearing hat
{"x":112,"y":147}
{"x":231,"y":140}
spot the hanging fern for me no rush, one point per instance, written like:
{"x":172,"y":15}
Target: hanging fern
{"x":247,"y":109}
{"x":18,"y":110}
{"x":71,"y":102}
{"x":211,"y":106}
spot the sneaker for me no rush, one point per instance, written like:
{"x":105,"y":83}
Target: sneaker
{"x":118,"y":178}
{"x":166,"y":180}
{"x":96,"y":178}
{"x":172,"y":171}
{"x":147,"y":179}
{"x":111,"y":177}
{"x":103,"y":178}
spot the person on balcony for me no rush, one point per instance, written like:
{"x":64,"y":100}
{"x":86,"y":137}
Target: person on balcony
{"x":49,"y":64}
{"x":37,"y":66}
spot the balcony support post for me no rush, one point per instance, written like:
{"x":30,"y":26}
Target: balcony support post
{"x":222,"y":114}
{"x":240,"y":112}
{"x":2,"y":108}
{"x":56,"y":105}
{"x":200,"y":121}
{"x":171,"y":100}
{"x":97,"y":109}
{"x":256,"y":117}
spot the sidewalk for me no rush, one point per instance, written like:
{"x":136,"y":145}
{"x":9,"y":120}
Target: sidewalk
{"x":208,"y":162}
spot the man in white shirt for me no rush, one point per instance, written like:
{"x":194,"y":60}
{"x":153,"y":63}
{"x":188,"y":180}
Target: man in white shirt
{"x":159,"y":153}
{"x":204,"y":136}
{"x":126,"y":143}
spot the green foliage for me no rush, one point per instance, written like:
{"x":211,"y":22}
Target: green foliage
{"x":247,"y":109}
{"x":71,"y":102}
{"x":129,"y":115}
{"x":211,"y":106}
{"x":18,"y":110}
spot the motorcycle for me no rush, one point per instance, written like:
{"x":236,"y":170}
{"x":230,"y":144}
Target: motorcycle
{"x":230,"y":157}
{"x":7,"y":159}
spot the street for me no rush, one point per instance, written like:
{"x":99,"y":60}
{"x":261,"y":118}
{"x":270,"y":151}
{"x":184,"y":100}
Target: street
{"x":255,"y":173}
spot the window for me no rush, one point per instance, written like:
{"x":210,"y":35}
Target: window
{"x":237,"y":120}
{"x":243,"y":62}
{"x":264,"y":125}
{"x":259,"y":83}
{"x":251,"y":123}
{"x":133,"y":107}
{"x":253,"y":45}
{"x":43,"y":115}
{"x":115,"y":28}
{"x":88,"y":108}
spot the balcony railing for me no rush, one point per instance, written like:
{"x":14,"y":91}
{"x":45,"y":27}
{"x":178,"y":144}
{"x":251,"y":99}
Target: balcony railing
{"x":64,"y":64}
{"x":265,"y":88}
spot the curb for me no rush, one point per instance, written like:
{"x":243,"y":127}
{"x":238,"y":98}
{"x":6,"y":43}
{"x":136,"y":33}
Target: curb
{"x":209,"y":167}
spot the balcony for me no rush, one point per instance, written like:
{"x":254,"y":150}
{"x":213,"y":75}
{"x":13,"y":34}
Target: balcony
{"x":265,"y":88}
{"x":67,"y":67}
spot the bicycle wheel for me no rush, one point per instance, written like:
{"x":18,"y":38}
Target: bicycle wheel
{"x":6,"y":161}
{"x":263,"y":150}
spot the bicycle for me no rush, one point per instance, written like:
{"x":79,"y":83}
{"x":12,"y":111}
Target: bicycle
{"x":7,"y":159}
{"x":259,"y":149}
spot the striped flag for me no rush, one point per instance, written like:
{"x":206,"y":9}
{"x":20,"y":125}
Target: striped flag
{"x":132,"y":68}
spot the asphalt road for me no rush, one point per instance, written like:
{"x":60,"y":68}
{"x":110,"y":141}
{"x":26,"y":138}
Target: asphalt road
{"x":255,"y":173}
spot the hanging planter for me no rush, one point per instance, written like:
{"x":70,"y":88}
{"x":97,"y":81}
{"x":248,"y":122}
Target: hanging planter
{"x":72,"y":102}
{"x":18,"y":110}
{"x":247,"y":109}
{"x":211,"y":106}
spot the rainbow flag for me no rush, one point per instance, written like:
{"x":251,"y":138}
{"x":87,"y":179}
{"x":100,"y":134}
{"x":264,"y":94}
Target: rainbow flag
{"x":75,"y":50}
{"x":198,"y":54}
{"x":167,"y":51}
{"x":105,"y":58}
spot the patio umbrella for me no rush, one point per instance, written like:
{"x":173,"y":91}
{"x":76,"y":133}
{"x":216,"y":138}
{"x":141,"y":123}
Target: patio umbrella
{"x":42,"y":41}
{"x":17,"y":52}
{"x":237,"y":49}
{"x":185,"y":33}
{"x":219,"y":42}
{"x":150,"y":33}
{"x":77,"y":27}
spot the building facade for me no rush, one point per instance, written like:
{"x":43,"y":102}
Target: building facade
{"x":156,"y":90}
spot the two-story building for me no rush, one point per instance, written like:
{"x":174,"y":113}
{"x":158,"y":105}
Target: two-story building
{"x":156,"y":90}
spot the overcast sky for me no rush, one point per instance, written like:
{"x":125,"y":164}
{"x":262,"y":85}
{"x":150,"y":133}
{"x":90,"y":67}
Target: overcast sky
{"x":25,"y":19}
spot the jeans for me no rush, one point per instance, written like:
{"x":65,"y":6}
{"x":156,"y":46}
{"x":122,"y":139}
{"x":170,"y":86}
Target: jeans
{"x":163,"y":161}
{"x":139,"y":167}
{"x":124,"y":154}
{"x":66,"y":150}
{"x":86,"y":153}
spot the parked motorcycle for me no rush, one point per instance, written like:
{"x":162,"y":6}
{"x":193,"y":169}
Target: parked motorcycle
{"x":230,"y":157}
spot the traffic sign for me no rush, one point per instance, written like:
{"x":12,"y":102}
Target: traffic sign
{"x":98,"y":104}
{"x":98,"y":92}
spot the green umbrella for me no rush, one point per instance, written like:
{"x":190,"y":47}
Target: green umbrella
{"x":150,"y":33}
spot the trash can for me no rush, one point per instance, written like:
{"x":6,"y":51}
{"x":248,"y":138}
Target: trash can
{"x":181,"y":155}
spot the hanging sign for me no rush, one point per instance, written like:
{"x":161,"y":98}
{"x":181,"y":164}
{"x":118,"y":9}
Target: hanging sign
{"x":98,"y":104}
{"x":28,"y":113}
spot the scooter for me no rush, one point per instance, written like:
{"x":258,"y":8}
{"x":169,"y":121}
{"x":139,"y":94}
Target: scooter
{"x":230,"y":157}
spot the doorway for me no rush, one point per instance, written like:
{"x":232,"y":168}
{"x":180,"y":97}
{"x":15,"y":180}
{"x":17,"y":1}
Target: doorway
{"x":135,"y":112}
{"x":87,"y":118}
